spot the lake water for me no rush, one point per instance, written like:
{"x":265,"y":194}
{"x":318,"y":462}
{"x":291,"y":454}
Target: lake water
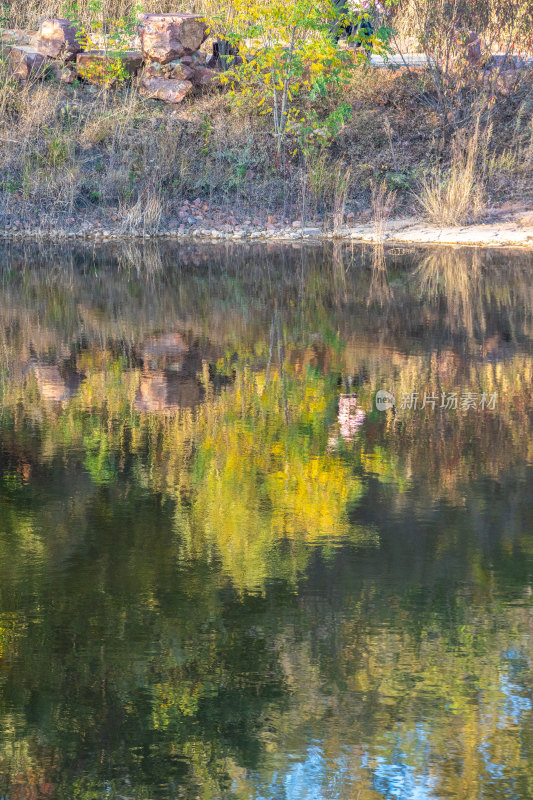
{"x":225,"y":573}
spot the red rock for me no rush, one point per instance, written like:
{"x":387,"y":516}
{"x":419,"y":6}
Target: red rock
{"x":178,"y":71}
{"x":174,"y":70}
{"x":165,"y":37}
{"x":153,"y":70}
{"x":195,"y":59}
{"x":203,"y":76}
{"x":57,"y":38}
{"x":26,"y":62}
{"x":62,"y":73}
{"x":12,"y":38}
{"x":97,"y":66}
{"x":171,"y":91}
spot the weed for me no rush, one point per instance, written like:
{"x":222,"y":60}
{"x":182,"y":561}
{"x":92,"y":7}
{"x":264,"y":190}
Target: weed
{"x":456,"y":195}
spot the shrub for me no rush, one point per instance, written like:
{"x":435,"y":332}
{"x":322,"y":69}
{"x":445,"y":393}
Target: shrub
{"x":294,"y":53}
{"x":456,"y":196}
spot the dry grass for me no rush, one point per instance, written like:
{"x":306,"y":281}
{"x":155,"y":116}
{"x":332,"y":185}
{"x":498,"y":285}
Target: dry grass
{"x":342,"y":179}
{"x":75,"y":152}
{"x":144,"y":215}
{"x":383,"y":203}
{"x":30,"y":13}
{"x":457,"y":195}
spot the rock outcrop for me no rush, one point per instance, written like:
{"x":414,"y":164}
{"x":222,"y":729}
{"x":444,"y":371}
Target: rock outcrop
{"x":165,"y":37}
{"x":26,"y":62}
{"x":167,"y":89}
{"x":173,"y":64}
{"x":170,"y":65}
{"x":103,"y":67}
{"x":57,"y":38}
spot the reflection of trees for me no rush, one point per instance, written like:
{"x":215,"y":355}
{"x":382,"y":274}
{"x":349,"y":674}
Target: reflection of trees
{"x":455,"y":275}
{"x":207,"y":583}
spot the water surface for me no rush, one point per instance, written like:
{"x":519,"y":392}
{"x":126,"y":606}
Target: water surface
{"x":225,"y":574}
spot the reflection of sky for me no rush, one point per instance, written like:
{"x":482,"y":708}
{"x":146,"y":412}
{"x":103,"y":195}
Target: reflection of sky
{"x":313,"y":776}
{"x":317,"y":778}
{"x":512,"y":705}
{"x":398,"y":780}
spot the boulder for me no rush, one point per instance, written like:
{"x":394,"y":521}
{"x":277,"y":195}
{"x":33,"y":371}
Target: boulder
{"x":171,"y":91}
{"x":153,"y":70}
{"x":178,"y":71}
{"x":195,"y":59}
{"x":165,"y":37}
{"x":99,"y":66}
{"x":204,"y":76}
{"x":57,"y":38}
{"x":62,"y":72}
{"x":11,"y":38}
{"x":25,"y":62}
{"x":174,"y":70}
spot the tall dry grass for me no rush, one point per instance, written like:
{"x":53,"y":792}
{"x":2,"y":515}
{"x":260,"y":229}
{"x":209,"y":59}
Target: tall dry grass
{"x":29,"y":14}
{"x":67,"y":150}
{"x":456,"y":195}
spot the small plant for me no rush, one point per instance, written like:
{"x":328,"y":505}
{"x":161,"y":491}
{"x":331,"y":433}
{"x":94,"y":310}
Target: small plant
{"x":294,"y":54}
{"x":456,"y":195}
{"x":111,"y":36}
{"x":207,"y":128}
{"x":4,"y":16}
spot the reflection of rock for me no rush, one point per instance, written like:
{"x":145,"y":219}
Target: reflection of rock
{"x":168,"y":379}
{"x":152,"y":392}
{"x":167,"y":350}
{"x":167,"y":391}
{"x":351,"y":416}
{"x":52,"y":385}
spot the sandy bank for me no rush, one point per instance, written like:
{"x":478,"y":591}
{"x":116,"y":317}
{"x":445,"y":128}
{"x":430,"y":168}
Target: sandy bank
{"x":406,"y":231}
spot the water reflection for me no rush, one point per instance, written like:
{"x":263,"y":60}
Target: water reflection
{"x":224,"y":572}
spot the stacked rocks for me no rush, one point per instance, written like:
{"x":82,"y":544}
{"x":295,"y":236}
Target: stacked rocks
{"x":52,"y":48}
{"x":170,"y":44}
{"x":174,"y":66}
{"x":56,"y":49}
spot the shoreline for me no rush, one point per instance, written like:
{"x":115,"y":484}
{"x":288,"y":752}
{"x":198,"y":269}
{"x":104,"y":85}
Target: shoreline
{"x":407,"y":231}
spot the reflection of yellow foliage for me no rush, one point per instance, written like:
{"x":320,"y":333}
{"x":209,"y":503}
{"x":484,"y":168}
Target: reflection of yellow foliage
{"x":172,"y":701}
{"x":310,"y":497}
{"x":265,"y":476}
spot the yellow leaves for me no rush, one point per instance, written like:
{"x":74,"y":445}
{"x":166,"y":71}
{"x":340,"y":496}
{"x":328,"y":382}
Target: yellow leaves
{"x":263,"y":479}
{"x":309,"y":499}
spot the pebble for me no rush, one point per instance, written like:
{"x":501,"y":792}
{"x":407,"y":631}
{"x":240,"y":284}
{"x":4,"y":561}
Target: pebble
{"x":402,"y":231}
